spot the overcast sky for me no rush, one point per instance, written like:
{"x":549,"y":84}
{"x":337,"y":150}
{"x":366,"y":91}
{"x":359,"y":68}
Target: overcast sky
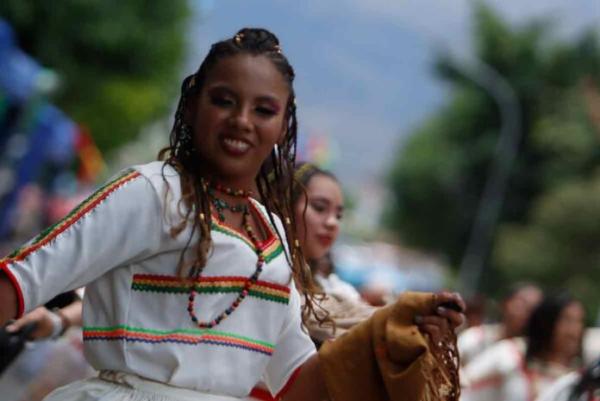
{"x":364,"y":77}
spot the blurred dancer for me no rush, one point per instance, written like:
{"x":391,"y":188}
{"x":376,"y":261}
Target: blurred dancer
{"x":516,"y":308}
{"x":518,"y":369}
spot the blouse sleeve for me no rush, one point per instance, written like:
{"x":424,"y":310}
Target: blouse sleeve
{"x":118,"y":223}
{"x":293,"y":348}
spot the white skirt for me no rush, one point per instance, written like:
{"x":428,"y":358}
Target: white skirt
{"x":118,"y":386}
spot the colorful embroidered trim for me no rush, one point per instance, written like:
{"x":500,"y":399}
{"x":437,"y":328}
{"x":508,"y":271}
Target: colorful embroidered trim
{"x":210,"y":285}
{"x":271,"y":247}
{"x":184,"y":336}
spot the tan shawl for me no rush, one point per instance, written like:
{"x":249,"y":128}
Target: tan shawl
{"x":387,"y":358}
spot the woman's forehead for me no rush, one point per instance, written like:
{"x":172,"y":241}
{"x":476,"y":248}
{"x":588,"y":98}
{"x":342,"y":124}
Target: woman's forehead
{"x":252,"y":74}
{"x":324,"y":186}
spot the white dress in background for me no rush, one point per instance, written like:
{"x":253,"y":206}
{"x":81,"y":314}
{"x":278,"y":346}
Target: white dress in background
{"x":477,"y":339}
{"x":501,"y":374}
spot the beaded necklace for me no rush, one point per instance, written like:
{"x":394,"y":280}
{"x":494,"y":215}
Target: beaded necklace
{"x":221,"y":205}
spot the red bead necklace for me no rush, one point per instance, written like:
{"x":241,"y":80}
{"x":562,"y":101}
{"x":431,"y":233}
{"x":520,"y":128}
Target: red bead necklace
{"x":221,"y":204}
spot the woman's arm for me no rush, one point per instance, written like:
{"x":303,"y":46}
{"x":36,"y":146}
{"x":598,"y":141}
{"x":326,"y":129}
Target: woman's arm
{"x":120,"y":222}
{"x":309,"y":385}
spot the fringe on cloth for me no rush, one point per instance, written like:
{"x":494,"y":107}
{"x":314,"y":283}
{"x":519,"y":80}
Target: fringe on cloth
{"x":387,"y":358}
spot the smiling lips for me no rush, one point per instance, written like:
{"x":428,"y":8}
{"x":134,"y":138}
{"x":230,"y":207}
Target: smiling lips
{"x":234,"y":146}
{"x":325,"y":240}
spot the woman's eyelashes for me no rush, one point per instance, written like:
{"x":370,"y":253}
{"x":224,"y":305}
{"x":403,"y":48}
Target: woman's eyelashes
{"x":322,"y":207}
{"x":221,"y":101}
{"x":266,"y":111}
{"x":319,"y":206}
{"x":227,"y":102}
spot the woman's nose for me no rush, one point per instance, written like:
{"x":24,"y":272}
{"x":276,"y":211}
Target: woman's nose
{"x":332,"y":221}
{"x":241,"y":118}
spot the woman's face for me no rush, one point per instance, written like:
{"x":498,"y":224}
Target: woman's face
{"x":318,"y":228}
{"x":239,"y":117}
{"x":568,"y":330}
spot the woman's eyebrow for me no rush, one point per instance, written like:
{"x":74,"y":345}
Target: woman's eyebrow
{"x":221,"y":87}
{"x":263,"y":97}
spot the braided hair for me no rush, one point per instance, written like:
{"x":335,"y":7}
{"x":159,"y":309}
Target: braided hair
{"x":274,"y":175}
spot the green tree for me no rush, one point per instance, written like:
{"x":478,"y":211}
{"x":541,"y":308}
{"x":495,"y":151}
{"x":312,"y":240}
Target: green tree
{"x":118,"y":60}
{"x":559,"y":246}
{"x":438,"y":178}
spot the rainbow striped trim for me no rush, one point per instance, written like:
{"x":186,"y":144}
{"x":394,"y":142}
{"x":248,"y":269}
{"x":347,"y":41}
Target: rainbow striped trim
{"x":210,"y":285}
{"x":183,"y":336}
{"x":271,"y":247}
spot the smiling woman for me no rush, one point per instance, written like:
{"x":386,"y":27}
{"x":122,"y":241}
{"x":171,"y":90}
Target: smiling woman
{"x":238,"y":118}
{"x":185,"y":270}
{"x":319,"y":208}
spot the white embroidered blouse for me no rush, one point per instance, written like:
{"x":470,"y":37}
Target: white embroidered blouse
{"x":118,"y":244}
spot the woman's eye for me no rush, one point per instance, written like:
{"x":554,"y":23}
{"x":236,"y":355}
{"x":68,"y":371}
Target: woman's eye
{"x":221,"y":101}
{"x":318,"y":207}
{"x":265,"y":111}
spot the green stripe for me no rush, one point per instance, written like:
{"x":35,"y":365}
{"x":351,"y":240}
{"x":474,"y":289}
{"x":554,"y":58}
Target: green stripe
{"x":229,"y":233}
{"x":275,"y":253}
{"x":194,"y":332}
{"x":270,"y":297}
{"x":232,"y":234}
{"x":207,"y":290}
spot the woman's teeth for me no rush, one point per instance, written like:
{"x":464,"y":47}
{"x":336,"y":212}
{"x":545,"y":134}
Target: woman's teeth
{"x":236,"y":144}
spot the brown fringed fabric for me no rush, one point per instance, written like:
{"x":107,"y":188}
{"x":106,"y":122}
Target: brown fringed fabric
{"x":387,"y":358}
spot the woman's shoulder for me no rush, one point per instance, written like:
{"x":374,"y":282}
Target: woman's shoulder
{"x":157,"y":172}
{"x":163,"y":180}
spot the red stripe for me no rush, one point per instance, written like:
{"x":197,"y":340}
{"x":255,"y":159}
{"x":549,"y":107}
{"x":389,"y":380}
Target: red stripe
{"x":16,"y":286}
{"x":289,"y":383}
{"x":214,"y":279}
{"x":262,"y":245}
{"x":261,"y":394}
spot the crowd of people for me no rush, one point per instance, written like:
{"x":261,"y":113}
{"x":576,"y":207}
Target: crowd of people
{"x":539,"y":340}
{"x":208,"y":275}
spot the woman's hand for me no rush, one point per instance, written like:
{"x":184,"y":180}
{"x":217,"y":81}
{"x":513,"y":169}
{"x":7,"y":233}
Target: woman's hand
{"x":444,"y":318}
{"x":44,"y":323}
{"x":48,"y":323}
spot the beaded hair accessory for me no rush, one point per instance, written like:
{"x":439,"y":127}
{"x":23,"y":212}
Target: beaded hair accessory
{"x":239,"y":37}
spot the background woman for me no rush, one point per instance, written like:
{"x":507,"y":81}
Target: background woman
{"x":519,"y":369}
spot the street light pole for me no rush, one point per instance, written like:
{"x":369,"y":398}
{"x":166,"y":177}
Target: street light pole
{"x":507,"y":145}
